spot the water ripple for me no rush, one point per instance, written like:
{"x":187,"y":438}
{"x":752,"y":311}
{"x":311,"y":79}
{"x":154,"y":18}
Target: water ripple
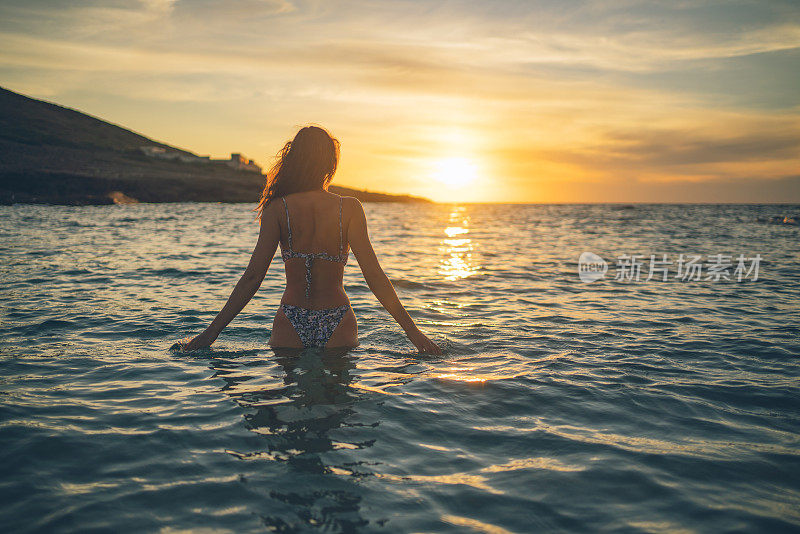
{"x":655,"y":407}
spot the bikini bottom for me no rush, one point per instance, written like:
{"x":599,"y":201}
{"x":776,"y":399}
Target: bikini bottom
{"x":314,"y":327}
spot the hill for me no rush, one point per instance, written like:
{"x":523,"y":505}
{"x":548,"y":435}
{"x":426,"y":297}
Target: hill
{"x":56,"y":155}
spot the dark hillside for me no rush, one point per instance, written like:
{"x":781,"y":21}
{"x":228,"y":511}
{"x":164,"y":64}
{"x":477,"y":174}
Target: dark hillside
{"x":55,"y":155}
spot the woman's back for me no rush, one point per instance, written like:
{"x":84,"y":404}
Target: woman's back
{"x":315,"y":230}
{"x":314,"y":248}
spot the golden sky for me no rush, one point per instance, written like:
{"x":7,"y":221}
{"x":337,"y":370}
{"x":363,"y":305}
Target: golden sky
{"x":503,"y":101}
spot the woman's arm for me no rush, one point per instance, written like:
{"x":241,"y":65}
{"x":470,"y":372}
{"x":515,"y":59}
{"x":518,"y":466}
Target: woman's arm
{"x":379,"y":283}
{"x":268,"y":237}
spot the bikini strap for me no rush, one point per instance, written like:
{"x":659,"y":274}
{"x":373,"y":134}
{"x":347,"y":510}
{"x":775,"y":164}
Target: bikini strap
{"x":288,"y":221}
{"x":340,"y":226}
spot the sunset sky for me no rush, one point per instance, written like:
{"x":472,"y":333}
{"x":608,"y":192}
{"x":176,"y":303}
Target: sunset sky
{"x":520,"y":101}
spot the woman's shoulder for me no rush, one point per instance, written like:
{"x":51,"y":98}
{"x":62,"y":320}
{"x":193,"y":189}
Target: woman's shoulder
{"x":273,"y":208}
{"x":351,"y":207}
{"x":350,"y":202}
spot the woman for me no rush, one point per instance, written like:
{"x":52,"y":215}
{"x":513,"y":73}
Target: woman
{"x":315,"y":228}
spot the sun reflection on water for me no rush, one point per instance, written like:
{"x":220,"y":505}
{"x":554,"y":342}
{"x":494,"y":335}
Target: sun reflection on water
{"x":457,"y":248}
{"x":460,"y":378}
{"x":464,"y":374}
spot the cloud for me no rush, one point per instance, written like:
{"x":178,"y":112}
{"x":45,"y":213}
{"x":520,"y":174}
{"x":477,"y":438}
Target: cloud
{"x":735,"y":150}
{"x":640,"y":51}
{"x":595,"y":90}
{"x":783,"y":189}
{"x":671,"y":148}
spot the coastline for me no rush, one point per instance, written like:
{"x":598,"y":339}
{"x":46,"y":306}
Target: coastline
{"x":66,"y":189}
{"x":50,"y":154}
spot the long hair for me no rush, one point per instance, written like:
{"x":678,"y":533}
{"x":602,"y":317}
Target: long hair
{"x":305,"y":163}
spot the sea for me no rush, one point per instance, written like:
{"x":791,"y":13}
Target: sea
{"x":606,"y":368}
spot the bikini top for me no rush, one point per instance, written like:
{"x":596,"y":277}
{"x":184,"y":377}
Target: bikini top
{"x":309,"y":257}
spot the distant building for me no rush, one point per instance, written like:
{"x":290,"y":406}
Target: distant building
{"x":241,"y":163}
{"x":153,"y":151}
{"x":191,"y":158}
{"x":237,"y":161}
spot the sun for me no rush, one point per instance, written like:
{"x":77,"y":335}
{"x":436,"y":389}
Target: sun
{"x":454,"y":172}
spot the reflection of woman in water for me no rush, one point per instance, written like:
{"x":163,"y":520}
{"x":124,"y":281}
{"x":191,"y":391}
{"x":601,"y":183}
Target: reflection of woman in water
{"x":310,"y":430}
{"x":314,"y":229}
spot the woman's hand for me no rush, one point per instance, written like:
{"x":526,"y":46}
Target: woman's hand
{"x":200,"y":341}
{"x":423,"y":343}
{"x":248,"y":284}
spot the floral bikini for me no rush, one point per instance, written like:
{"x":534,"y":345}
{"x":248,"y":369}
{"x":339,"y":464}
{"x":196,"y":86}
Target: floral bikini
{"x":314,"y":327}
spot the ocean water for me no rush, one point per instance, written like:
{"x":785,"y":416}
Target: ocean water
{"x":617,"y":405}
